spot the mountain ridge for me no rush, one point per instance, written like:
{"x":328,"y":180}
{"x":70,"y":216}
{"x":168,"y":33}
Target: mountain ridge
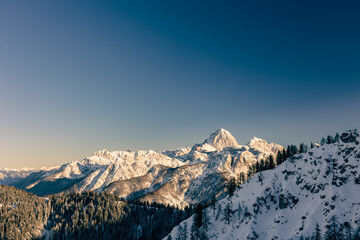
{"x":317,"y":188}
{"x":186,"y":170}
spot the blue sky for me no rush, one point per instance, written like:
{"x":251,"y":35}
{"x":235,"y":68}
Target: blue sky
{"x":80,"y":76}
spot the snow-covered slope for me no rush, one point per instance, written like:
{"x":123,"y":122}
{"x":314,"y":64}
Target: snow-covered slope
{"x":287,"y":202}
{"x":208,"y":169}
{"x":179,"y":177}
{"x":95,"y":172}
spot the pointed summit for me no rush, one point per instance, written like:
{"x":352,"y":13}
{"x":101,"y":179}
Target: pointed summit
{"x":221,"y":139}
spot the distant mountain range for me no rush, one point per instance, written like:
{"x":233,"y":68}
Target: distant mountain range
{"x":176,"y":177}
{"x":312,"y":195}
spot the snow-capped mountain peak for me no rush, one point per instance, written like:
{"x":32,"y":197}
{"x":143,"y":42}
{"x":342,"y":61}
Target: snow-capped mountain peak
{"x":318,"y":187}
{"x":184,"y":176}
{"x":221,"y":139}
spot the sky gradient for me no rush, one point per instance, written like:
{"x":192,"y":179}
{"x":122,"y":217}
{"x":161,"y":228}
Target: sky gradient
{"x":80,"y":76}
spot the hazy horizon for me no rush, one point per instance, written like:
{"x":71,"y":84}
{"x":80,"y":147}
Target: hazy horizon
{"x":77,"y":77}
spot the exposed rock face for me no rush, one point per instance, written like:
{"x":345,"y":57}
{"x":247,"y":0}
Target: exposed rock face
{"x":287,"y":202}
{"x":177,"y":177}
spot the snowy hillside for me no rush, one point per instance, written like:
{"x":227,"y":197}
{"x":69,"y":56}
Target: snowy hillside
{"x":179,"y":177}
{"x":208,"y":169}
{"x":94,"y":172}
{"x":320,"y":187}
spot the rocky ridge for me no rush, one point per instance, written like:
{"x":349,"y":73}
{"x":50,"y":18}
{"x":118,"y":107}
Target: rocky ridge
{"x":177,"y":177}
{"x":320,"y":187}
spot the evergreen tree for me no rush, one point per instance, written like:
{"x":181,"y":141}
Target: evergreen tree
{"x":203,"y":235}
{"x":194,"y":233}
{"x":257,"y":166}
{"x":231,"y":187}
{"x":303,"y":148}
{"x":333,"y":230}
{"x":346,"y":231}
{"x":205,"y":220}
{"x":180,"y":233}
{"x":219,"y":212}
{"x":279,"y":158}
{"x":260,"y":178}
{"x":262,"y":165}
{"x":185,"y":231}
{"x":213,"y":204}
{"x":283,"y":155}
{"x":288,"y":151}
{"x":329,"y":139}
{"x":239,"y":212}
{"x":198,"y":216}
{"x":291,"y":151}
{"x":317,"y":233}
{"x":227,"y":213}
{"x":271,"y":162}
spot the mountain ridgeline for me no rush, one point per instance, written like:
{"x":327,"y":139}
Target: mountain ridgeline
{"x":311,"y":195}
{"x":180,"y":178}
{"x":217,"y":189}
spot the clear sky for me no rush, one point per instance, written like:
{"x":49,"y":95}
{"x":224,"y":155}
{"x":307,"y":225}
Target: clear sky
{"x":81,"y":76}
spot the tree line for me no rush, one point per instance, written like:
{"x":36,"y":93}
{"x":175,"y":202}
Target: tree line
{"x":88,"y":215}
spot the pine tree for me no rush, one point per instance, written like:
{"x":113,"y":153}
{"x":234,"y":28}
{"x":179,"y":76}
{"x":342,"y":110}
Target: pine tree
{"x":260,"y":178}
{"x":262,"y":165}
{"x":231,"y":187}
{"x":347,"y":231}
{"x":279,"y":158}
{"x":227,"y":213}
{"x":198,"y":216}
{"x":213,"y":204}
{"x":303,"y":148}
{"x":257,"y":166}
{"x":333,"y":230}
{"x":239,"y":212}
{"x":283,"y":155}
{"x":329,"y":139}
{"x":317,"y":233}
{"x":291,"y":151}
{"x":271,"y":162}
{"x":194,"y":233}
{"x":288,"y":151}
{"x":180,"y":233}
{"x":185,"y":232}
{"x":205,"y":220}
{"x":219,"y":212}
